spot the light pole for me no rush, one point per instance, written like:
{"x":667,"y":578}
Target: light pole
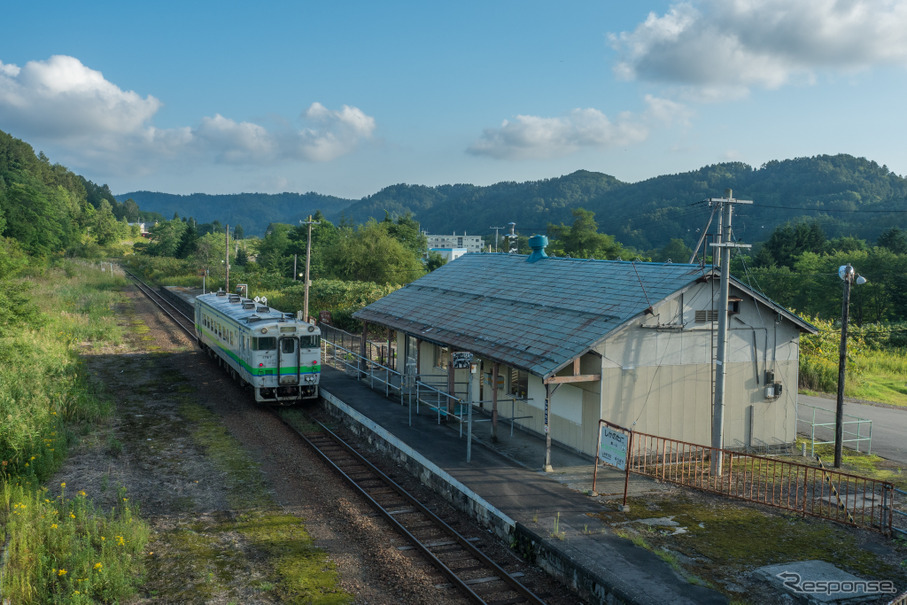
{"x":848,"y":275}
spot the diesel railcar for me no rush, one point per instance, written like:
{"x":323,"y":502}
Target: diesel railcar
{"x":277,"y":354}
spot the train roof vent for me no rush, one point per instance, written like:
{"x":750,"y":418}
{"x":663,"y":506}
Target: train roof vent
{"x":253,"y":318}
{"x":221,"y":293}
{"x":234,"y":298}
{"x":248,"y":305}
{"x":263,"y":310}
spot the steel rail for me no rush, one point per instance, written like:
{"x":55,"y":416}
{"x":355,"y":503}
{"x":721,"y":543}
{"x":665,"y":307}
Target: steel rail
{"x":522,"y":592}
{"x":164,"y":305}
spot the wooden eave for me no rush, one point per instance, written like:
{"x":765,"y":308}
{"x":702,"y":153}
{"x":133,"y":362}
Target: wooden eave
{"x":576,"y":377}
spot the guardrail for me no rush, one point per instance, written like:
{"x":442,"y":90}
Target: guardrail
{"x":427,"y":391}
{"x":810,"y":490}
{"x":849,"y":436}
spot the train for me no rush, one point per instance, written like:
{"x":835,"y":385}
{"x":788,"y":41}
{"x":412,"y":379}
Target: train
{"x":278,"y":355}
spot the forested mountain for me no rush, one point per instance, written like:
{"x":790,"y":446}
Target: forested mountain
{"x":253,"y":211}
{"x":846,"y":195}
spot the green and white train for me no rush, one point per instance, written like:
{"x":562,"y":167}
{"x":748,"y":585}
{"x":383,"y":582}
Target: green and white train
{"x":277,"y":354}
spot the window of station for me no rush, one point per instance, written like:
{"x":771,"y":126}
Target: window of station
{"x":519,"y":383}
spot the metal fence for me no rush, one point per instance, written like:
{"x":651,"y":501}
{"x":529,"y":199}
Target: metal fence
{"x":855,"y":430}
{"x":899,"y":524}
{"x":810,"y":490}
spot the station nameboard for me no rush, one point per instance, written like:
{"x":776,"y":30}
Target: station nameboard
{"x":613,"y":447}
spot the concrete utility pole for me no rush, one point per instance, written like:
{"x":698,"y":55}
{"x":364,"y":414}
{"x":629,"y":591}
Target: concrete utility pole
{"x":496,"y":229}
{"x":724,"y":246}
{"x":227,"y":261}
{"x":308,"y":260}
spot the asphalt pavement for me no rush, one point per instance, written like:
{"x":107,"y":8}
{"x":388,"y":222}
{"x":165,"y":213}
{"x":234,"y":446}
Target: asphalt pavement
{"x":889,"y":424}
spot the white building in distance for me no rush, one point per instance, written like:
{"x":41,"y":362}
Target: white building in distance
{"x":471,"y":243}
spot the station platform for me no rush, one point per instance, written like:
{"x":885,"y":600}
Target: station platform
{"x":503,"y":485}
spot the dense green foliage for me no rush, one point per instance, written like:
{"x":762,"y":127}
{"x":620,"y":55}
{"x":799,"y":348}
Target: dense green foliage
{"x":254,"y":211}
{"x":59,"y":549}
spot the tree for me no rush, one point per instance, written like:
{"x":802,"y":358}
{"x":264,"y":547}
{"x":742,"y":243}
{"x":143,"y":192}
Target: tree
{"x":406,"y":231}
{"x":582,"y":239}
{"x":274,"y":253}
{"x":434,"y":261}
{"x":789,"y":241}
{"x":370,"y":253}
{"x":894,"y":239}
{"x":675,"y":251}
{"x":105,"y":227}
{"x":166,"y":237}
{"x":238,"y":232}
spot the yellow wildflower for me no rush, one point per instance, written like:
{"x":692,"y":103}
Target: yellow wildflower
{"x":61,"y":572}
{"x":54,"y":526}
{"x":98,"y":566}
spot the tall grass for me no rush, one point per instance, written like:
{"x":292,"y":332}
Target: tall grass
{"x":876,"y":363}
{"x":58,"y":549}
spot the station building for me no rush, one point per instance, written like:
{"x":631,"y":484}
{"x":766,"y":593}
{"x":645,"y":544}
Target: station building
{"x":633,"y":343}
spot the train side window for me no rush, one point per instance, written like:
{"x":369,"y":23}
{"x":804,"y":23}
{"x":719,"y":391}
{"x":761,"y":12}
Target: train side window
{"x":265,"y":343}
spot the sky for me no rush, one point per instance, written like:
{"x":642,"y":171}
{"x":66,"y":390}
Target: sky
{"x":344,"y":98}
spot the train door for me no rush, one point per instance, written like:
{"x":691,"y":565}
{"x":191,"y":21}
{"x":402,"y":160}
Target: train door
{"x":288,"y":360}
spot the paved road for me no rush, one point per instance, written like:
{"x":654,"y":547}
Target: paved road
{"x":889,"y":425}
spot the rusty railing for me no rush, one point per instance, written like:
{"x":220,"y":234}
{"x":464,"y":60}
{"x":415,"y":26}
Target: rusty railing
{"x":810,"y":490}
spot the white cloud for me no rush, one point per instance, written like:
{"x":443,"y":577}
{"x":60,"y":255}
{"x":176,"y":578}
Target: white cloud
{"x":62,"y":98}
{"x":334,"y":133}
{"x":534,"y":137}
{"x":741,"y":44}
{"x":64,"y":103}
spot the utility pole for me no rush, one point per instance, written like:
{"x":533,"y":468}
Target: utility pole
{"x":724,"y":247}
{"x":496,"y":229}
{"x":227,"y":261}
{"x":308,"y":261}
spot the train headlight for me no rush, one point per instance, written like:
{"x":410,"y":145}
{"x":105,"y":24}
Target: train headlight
{"x":264,"y":330}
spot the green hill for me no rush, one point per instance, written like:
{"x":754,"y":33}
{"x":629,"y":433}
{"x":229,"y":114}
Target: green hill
{"x":253,"y":211}
{"x":847,"y":195}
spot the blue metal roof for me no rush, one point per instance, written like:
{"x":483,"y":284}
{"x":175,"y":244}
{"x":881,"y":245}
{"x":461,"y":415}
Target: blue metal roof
{"x":536,"y":316}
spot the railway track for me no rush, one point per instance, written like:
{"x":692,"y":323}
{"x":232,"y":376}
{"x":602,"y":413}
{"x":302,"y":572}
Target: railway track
{"x":476,"y":575}
{"x":185,"y":322}
{"x":469,"y":570}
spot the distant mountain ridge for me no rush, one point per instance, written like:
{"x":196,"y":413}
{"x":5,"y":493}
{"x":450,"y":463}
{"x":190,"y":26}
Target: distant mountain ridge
{"x":254,"y":211}
{"x":846,"y":195}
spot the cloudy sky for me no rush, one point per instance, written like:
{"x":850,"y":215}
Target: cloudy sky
{"x":345,"y":98}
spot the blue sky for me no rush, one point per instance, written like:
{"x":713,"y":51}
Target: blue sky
{"x":345,"y":98}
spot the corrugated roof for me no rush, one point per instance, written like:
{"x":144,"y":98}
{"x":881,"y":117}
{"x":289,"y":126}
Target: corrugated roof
{"x":536,"y":316}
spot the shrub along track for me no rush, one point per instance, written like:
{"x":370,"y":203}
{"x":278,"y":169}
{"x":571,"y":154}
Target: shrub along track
{"x":240,"y":512}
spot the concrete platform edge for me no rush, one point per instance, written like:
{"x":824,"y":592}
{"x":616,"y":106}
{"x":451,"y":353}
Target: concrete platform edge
{"x":522,"y":540}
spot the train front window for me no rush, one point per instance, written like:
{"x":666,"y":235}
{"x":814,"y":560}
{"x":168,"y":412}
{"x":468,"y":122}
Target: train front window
{"x":310,"y":342}
{"x":265,"y":343}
